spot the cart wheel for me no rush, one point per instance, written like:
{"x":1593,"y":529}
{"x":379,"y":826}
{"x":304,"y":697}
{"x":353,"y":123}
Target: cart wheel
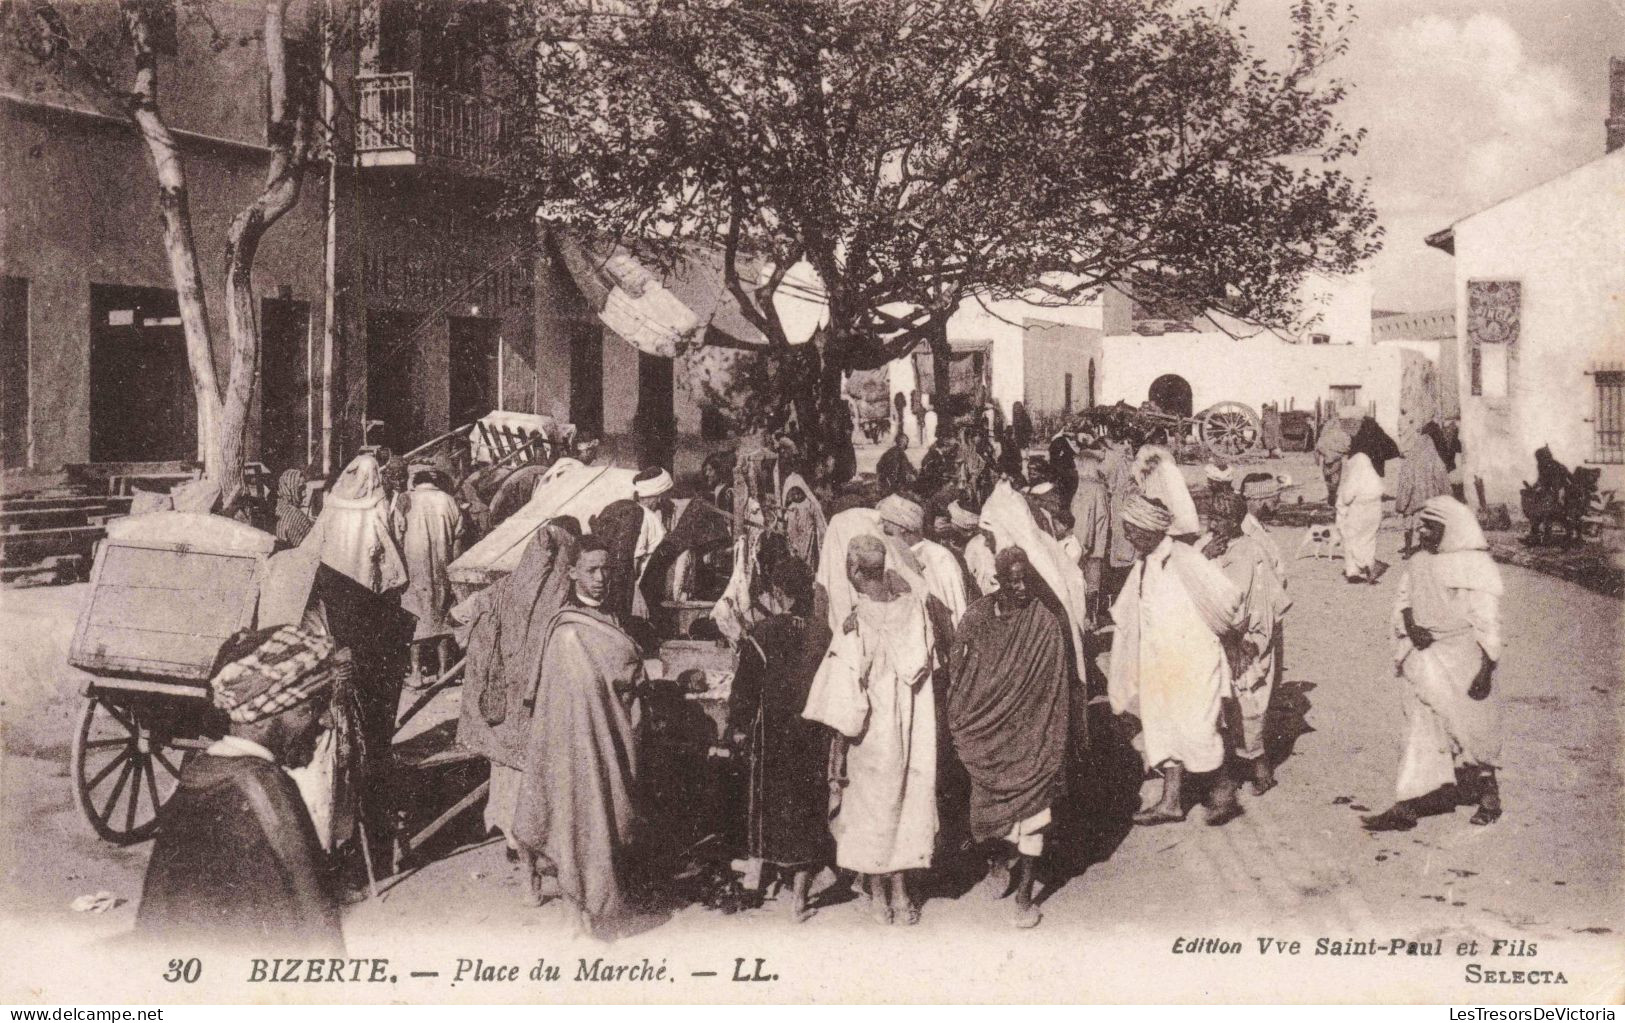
{"x":123,"y":772}
{"x":1230,"y":429}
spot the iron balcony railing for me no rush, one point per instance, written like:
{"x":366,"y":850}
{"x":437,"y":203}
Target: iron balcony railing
{"x":405,"y":121}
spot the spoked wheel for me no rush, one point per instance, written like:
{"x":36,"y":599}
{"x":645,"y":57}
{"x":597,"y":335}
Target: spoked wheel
{"x":1230,"y":429}
{"x":123,"y":769}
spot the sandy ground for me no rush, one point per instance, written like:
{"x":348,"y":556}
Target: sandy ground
{"x":1296,"y":864}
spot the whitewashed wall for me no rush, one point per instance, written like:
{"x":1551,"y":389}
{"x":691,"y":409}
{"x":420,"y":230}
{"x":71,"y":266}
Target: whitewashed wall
{"x":1565,"y":240}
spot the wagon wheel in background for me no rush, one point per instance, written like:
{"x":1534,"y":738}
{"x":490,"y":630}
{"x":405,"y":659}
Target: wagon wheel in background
{"x":124,"y":768}
{"x":1230,"y":429}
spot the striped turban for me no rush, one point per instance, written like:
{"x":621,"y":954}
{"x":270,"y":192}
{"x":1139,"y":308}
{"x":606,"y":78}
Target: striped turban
{"x":278,"y":672}
{"x":1147,"y":513}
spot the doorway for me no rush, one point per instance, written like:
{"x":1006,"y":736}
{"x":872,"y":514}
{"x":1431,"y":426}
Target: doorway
{"x":13,"y":373}
{"x":1171,"y":393}
{"x":656,"y":422}
{"x":391,"y":352}
{"x":587,"y":377}
{"x":284,"y":383}
{"x":474,"y":368}
{"x":142,"y":408}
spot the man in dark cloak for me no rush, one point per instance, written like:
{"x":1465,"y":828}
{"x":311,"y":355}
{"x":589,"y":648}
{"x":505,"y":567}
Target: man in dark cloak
{"x":578,"y":817}
{"x":788,"y":811}
{"x":619,"y":526}
{"x":1007,"y":714}
{"x":237,"y":862}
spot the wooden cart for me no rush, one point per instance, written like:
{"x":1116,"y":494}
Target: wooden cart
{"x":167,"y":590}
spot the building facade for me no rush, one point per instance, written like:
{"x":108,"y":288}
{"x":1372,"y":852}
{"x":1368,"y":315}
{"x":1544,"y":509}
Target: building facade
{"x":394,"y":303}
{"x":1540,"y":308}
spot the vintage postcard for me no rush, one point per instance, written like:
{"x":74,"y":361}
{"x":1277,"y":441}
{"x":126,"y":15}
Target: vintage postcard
{"x":811,"y":501}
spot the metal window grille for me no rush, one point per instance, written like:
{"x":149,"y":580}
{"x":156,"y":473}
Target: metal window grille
{"x":1610,"y":417}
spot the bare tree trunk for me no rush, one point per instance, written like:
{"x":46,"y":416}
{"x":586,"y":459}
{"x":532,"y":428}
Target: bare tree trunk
{"x":287,"y":132}
{"x":175,"y":212}
{"x":941,"y":356}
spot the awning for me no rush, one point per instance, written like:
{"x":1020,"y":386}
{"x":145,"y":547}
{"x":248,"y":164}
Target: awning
{"x":659,"y":313}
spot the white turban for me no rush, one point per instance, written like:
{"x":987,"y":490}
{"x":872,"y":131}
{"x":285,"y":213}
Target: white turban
{"x":900,"y":511}
{"x":961,"y":518}
{"x":653,"y":486}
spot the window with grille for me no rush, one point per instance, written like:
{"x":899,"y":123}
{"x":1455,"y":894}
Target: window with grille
{"x":1609,"y":419}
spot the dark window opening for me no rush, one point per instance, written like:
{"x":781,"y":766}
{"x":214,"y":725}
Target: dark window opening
{"x":474,"y":343}
{"x":391,"y":352}
{"x":284,"y":383}
{"x":142,"y":408}
{"x":13,"y":373}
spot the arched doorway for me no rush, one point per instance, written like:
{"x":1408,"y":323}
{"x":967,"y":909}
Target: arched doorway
{"x":1171,"y":393}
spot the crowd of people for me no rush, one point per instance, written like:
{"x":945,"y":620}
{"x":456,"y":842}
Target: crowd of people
{"x":916,"y":655}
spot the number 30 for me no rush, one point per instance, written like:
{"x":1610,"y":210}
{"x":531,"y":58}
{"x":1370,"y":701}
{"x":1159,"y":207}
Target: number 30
{"x":188,"y":970}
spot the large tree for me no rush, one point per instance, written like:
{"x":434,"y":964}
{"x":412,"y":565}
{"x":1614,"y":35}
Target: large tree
{"x":920,"y":153}
{"x":110,"y":57}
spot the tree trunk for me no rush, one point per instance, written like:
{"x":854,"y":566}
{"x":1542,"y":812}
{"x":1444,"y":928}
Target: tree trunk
{"x":175,"y":212}
{"x":941,"y":357}
{"x":286,"y":130}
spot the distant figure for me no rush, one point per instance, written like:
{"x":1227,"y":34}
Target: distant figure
{"x":895,"y":472}
{"x":1359,"y":501}
{"x":917,"y":406}
{"x":1447,"y":633}
{"x":1330,"y":449}
{"x":1022,"y":424}
{"x":1091,"y":526}
{"x":1270,"y":431}
{"x":1421,"y":476}
{"x":1063,"y":466}
{"x":900,"y":405}
{"x":237,"y":862}
{"x":430,"y":528}
{"x":353,"y":533}
{"x":292,"y":521}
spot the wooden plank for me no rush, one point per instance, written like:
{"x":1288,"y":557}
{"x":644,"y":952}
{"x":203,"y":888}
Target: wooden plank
{"x":158,"y":569}
{"x":216,"y":613}
{"x":186,"y":690}
{"x":27,"y":504}
{"x":57,"y":518}
{"x":35,"y":545}
{"x":103,"y":648}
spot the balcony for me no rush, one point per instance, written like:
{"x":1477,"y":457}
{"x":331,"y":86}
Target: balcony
{"x":406,"y":123}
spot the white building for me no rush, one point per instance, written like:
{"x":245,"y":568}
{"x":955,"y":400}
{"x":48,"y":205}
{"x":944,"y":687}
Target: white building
{"x":1540,"y":308}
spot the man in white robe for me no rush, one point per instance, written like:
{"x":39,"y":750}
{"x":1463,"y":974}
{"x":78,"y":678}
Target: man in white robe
{"x":1447,"y":636}
{"x":904,"y":520}
{"x":1168,"y":664}
{"x":886,"y":822}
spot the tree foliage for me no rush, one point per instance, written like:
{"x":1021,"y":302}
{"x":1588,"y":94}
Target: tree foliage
{"x":921,"y":153}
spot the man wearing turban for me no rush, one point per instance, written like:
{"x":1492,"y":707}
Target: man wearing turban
{"x":1249,"y":565}
{"x":237,"y":862}
{"x":1007,"y":714}
{"x":1447,"y":641}
{"x":904,"y":519}
{"x":1168,"y":664}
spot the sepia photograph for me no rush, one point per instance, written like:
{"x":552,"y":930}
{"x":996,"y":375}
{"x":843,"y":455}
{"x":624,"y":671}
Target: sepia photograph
{"x":812,"y":502}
